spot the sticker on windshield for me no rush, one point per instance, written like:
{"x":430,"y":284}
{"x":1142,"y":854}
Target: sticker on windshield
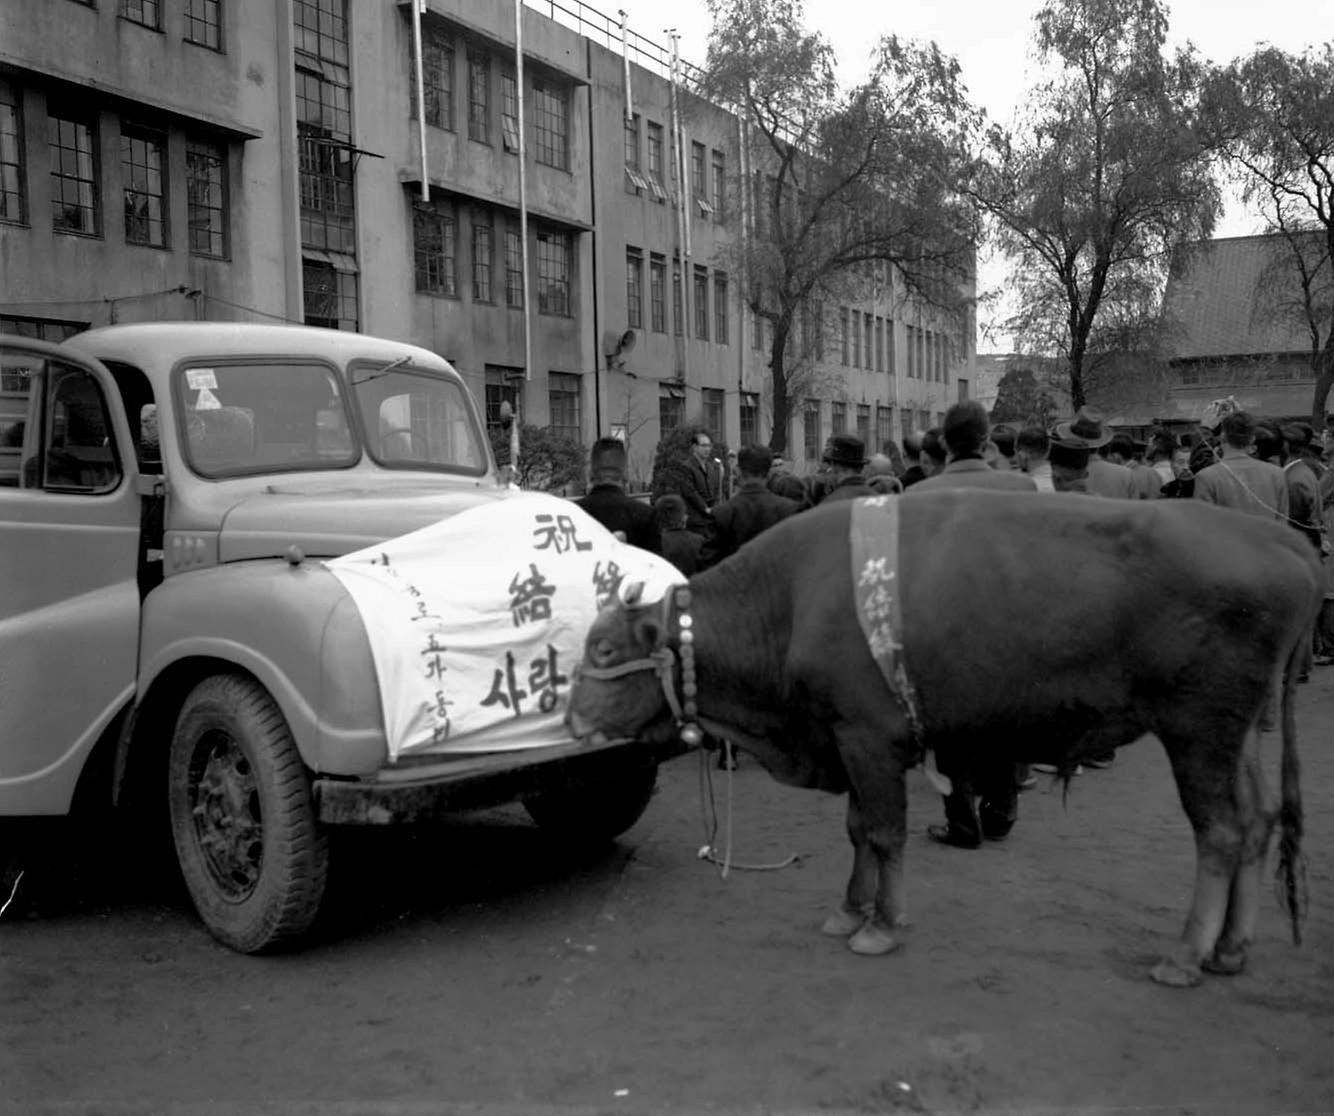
{"x":201,"y":379}
{"x":207,"y":401}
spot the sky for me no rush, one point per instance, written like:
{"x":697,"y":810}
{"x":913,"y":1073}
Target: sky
{"x":991,"y":39}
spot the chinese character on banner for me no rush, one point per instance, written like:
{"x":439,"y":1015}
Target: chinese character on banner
{"x":504,"y":690}
{"x":606,"y":582}
{"x":558,"y":531}
{"x":530,"y":598}
{"x":545,"y":680}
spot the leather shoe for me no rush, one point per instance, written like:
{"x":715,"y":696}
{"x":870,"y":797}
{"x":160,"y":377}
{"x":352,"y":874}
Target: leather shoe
{"x":956,"y":838}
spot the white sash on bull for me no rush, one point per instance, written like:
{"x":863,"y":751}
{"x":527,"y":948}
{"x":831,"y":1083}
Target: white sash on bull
{"x":874,"y":537}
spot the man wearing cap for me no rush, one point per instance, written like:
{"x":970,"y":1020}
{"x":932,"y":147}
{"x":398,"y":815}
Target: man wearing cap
{"x":845,"y":458}
{"x":1103,"y":478}
{"x":965,"y":433}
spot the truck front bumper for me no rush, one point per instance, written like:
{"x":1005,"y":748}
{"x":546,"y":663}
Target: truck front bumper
{"x":424,"y":792}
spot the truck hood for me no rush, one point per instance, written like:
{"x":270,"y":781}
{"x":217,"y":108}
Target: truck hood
{"x":325,"y":523}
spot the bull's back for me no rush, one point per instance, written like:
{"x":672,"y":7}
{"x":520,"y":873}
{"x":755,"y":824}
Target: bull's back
{"x":1018,"y":605}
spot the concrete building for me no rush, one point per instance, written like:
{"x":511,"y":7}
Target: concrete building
{"x":262,"y":160}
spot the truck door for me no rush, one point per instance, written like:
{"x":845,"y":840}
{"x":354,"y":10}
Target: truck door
{"x":69,"y":555}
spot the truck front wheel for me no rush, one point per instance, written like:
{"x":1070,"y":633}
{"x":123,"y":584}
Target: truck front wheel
{"x":598,"y":809}
{"x":254,"y":858}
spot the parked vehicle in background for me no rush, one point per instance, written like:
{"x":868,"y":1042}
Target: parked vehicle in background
{"x":176,"y":657}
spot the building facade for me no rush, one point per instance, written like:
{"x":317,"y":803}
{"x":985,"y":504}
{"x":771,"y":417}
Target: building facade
{"x":263,"y":160}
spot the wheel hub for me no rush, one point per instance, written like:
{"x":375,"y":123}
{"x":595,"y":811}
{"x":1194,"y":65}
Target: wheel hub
{"x":224,"y":802}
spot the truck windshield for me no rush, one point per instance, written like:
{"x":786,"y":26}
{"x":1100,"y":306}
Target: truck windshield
{"x":417,"y":420}
{"x":275,"y":416}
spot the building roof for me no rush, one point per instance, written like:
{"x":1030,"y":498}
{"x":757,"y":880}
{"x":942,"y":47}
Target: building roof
{"x":1212,"y":297}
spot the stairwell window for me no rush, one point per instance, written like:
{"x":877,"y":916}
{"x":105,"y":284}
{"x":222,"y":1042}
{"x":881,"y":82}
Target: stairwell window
{"x":206,"y":198}
{"x":553,"y":273}
{"x":435,"y":250}
{"x":75,"y":185}
{"x":142,"y":158}
{"x":551,"y":123}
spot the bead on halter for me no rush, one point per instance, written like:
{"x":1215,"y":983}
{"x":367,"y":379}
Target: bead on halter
{"x":691,"y":734}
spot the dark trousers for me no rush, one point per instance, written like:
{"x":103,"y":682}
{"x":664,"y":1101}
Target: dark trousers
{"x":984,"y":801}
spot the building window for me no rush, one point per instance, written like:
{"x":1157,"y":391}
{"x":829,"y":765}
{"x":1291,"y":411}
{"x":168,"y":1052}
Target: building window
{"x":905,"y":422}
{"x":911,"y":345}
{"x":924,"y":420}
{"x":838,"y":418}
{"x":671,"y":409}
{"x":634,"y":288}
{"x":324,"y":125}
{"x":481,"y":259}
{"x":509,"y":111}
{"x":713,"y":406}
{"x":699,"y":182}
{"x":720,"y":307}
{"x":891,"y":358}
{"x":141,"y":160}
{"x":963,"y":390}
{"x":634,"y":179}
{"x":203,"y":23}
{"x":678,"y":323}
{"x":553,"y":273}
{"x":856,"y":339}
{"x":502,"y":386}
{"x":13,"y":196}
{"x":843,"y":334}
{"x":145,"y":12}
{"x":513,"y":268}
{"x":879,"y":344}
{"x":435,"y":250}
{"x":563,"y":397}
{"x":884,"y":426}
{"x":657,"y":293}
{"x":479,"y":91}
{"x":864,"y":423}
{"x":551,"y":124}
{"x":719,"y":185}
{"x":437,"y":82}
{"x":750,"y":418}
{"x":206,"y":198}
{"x":869,"y":326}
{"x":74,"y":187}
{"x":701,"y":307}
{"x":330,"y":295}
{"x":655,"y":161}
{"x":810,"y":432}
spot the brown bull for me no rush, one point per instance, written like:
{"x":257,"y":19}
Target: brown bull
{"x":1172,"y":618}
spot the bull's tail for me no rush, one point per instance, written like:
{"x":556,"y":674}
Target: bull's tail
{"x":1290,"y":877}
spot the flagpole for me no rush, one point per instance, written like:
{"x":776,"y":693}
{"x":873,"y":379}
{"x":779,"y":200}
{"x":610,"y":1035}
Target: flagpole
{"x":682,"y":216}
{"x":625,"y":64}
{"x":417,"y":6}
{"x":523,"y":236}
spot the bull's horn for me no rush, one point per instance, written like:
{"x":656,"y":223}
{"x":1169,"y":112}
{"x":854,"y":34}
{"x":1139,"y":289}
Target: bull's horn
{"x":633,"y":592}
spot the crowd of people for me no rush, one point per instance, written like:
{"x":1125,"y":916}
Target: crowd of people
{"x":703,"y":511}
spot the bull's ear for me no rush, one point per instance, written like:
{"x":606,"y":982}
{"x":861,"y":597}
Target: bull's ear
{"x":633,"y":592}
{"x":648,"y":630}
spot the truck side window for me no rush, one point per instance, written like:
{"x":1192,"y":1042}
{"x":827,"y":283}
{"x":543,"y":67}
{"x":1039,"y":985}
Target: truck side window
{"x":76,"y":453}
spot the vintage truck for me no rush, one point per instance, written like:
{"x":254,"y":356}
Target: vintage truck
{"x":174,"y":656}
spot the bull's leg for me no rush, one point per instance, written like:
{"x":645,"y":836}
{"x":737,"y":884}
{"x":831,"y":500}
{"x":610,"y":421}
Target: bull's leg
{"x":1258,"y":812}
{"x":1205,"y":769}
{"x":859,"y":901}
{"x":880,"y":790}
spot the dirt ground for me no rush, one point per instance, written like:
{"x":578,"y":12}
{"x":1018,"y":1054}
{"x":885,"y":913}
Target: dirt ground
{"x":481,"y":970}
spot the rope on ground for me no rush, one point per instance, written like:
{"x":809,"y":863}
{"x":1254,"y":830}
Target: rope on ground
{"x":708,"y":808}
{"x":14,"y":891}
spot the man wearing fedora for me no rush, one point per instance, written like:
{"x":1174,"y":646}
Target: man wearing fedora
{"x":844,"y":460}
{"x":1104,"y":478}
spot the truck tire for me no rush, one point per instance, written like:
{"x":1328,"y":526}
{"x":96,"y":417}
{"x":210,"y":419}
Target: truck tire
{"x":596,"y":810}
{"x":252,"y":853}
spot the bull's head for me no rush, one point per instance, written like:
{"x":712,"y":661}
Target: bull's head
{"x":622,"y":686}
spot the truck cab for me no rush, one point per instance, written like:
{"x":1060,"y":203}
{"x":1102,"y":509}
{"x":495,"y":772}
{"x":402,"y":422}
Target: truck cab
{"x":178,"y":657}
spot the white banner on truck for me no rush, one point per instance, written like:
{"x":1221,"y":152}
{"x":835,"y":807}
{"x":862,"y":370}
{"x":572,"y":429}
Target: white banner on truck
{"x":476,"y":622}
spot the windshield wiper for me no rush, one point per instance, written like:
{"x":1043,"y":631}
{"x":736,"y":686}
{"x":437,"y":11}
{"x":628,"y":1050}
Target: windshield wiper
{"x":376,"y":373}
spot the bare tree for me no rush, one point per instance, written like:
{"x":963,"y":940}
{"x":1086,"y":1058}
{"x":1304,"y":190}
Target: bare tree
{"x":1101,"y":180}
{"x":1272,"y":119}
{"x":841,"y":184}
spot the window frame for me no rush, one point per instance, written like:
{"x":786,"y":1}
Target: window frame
{"x":215,"y":24}
{"x":479,"y":109}
{"x":634,"y":288}
{"x":427,"y":261}
{"x":217,"y":155}
{"x":483,"y":242}
{"x":568,"y":389}
{"x":11,"y":98}
{"x":57,"y":115}
{"x":721,"y":332}
{"x":554,"y":249}
{"x":154,"y":142}
{"x":551,"y":123}
{"x":124,"y":10}
{"x":657,"y":292}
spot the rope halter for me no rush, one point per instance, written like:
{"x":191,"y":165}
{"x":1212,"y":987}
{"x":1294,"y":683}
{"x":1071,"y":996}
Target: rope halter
{"x":662,"y":660}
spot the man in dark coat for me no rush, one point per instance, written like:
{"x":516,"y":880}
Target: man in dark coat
{"x":845,"y":459}
{"x":984,"y":799}
{"x":753,"y":509}
{"x":630,"y":519}
{"x":679,"y":546}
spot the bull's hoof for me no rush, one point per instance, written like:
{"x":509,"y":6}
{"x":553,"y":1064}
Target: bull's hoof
{"x":1174,"y":974}
{"x":872,"y":940}
{"x":1225,"y":962}
{"x":843,"y":922}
